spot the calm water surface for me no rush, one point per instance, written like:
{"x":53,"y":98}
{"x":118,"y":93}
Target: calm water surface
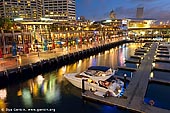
{"x":51,"y":92}
{"x":161,"y":75}
{"x":160,"y":95}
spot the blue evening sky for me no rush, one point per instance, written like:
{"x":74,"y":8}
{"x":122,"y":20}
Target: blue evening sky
{"x":99,"y":9}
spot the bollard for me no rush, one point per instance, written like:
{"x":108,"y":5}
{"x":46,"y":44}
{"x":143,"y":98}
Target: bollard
{"x":124,"y":81}
{"x":131,"y":74}
{"x":83,"y":85}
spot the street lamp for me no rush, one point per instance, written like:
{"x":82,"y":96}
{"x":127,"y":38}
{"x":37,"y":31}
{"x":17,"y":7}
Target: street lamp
{"x":125,"y":80}
{"x":153,"y":64}
{"x":151,"y":75}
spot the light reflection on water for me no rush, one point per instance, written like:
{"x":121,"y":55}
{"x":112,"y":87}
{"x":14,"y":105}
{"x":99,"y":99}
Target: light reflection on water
{"x":53,"y":91}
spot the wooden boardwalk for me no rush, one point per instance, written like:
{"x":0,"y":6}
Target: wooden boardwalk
{"x":137,"y":57}
{"x":163,"y":55}
{"x":133,"y":61}
{"x":160,"y":81}
{"x":126,"y":68}
{"x":133,"y":98}
{"x":162,"y":60}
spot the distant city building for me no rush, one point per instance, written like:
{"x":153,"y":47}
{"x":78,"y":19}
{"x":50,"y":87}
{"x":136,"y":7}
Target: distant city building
{"x":82,"y":18}
{"x":112,"y":15}
{"x":35,"y":10}
{"x":140,"y":22}
{"x":139,"y":12}
{"x":59,"y":10}
{"x":29,"y":10}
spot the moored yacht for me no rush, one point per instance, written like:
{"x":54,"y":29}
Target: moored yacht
{"x":93,"y":77}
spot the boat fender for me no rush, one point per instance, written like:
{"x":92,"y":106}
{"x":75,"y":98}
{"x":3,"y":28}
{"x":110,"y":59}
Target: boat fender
{"x":151,"y":102}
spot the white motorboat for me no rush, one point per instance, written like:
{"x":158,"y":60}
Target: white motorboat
{"x":95,"y":73}
{"x":93,"y":76}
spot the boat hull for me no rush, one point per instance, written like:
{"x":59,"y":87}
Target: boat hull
{"x":87,"y":85}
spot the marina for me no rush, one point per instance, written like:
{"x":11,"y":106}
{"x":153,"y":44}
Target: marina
{"x":51,"y":90}
{"x":84,"y":56}
{"x":133,"y":97}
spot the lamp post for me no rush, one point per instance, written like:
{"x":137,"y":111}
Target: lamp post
{"x":125,"y":80}
{"x":153,"y":65}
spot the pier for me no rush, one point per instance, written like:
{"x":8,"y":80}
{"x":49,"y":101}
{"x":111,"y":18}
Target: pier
{"x":137,"y":57}
{"x":133,"y":61}
{"x":126,"y":68}
{"x":133,"y":97}
{"x":161,"y":69}
{"x":163,"y":55}
{"x":162,"y":60}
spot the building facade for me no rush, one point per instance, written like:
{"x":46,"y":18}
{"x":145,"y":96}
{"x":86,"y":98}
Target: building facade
{"x":29,"y":10}
{"x":59,"y":10}
{"x":35,"y":10}
{"x":139,"y":12}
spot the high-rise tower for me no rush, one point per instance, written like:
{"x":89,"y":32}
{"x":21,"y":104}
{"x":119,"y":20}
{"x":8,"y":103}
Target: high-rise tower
{"x":139,"y":12}
{"x":34,"y":10}
{"x":59,"y":10}
{"x":29,"y":10}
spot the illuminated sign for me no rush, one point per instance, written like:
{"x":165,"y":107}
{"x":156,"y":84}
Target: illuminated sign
{"x":18,"y":19}
{"x":124,"y":21}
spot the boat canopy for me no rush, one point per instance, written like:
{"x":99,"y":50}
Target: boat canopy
{"x":100,"y":68}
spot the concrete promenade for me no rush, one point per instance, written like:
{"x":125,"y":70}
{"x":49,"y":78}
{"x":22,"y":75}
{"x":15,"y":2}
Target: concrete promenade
{"x":20,"y":60}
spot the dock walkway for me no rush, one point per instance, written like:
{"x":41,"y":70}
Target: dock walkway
{"x":133,"y":98}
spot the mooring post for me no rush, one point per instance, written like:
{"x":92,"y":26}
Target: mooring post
{"x":125,"y":80}
{"x":83,"y":85}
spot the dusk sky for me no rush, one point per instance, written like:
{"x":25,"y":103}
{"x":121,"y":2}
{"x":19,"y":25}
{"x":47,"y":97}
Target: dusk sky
{"x":99,"y":9}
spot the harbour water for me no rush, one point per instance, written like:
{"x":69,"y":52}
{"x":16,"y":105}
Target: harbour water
{"x":51,"y":92}
{"x":162,"y":91}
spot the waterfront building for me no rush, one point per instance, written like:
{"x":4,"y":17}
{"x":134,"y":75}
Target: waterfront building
{"x":137,"y":26}
{"x":35,"y":18}
{"x":59,"y":10}
{"x":38,"y":10}
{"x":140,"y":22}
{"x":25,"y":10}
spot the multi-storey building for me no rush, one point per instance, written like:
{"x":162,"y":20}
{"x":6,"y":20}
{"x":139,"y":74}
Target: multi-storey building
{"x":59,"y":10}
{"x":36,"y":18}
{"x":139,"y":12}
{"x":34,"y":10}
{"x":29,"y":10}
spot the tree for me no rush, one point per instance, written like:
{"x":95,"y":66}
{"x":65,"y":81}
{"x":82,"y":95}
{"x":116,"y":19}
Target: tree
{"x":5,"y":23}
